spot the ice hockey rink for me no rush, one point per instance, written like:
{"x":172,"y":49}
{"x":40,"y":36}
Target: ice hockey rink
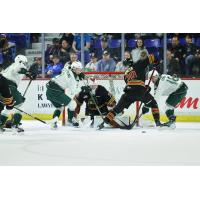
{"x":73,"y":146}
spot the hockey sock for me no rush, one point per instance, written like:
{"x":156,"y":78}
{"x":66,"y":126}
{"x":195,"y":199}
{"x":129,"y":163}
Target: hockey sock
{"x":17,"y":118}
{"x":70,"y":115}
{"x":156,"y":115}
{"x":170,"y":114}
{"x":56,"y":113}
{"x":3,"y":119}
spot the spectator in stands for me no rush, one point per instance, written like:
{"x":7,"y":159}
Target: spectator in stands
{"x":106,"y":63}
{"x":73,"y":57}
{"x":36,"y":67}
{"x":177,"y":52}
{"x":114,"y":35}
{"x":64,"y":52}
{"x":54,"y":69}
{"x":34,"y":37}
{"x":189,"y":53}
{"x":52,"y":50}
{"x":173,"y":66}
{"x":92,"y":65}
{"x":137,"y":51}
{"x":77,"y":42}
{"x":104,"y":47}
{"x":123,"y":65}
{"x":69,"y":37}
{"x":5,"y":52}
{"x":196,"y":65}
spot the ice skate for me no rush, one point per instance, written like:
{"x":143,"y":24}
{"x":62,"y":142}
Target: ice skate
{"x":17,"y":130}
{"x":75,"y":122}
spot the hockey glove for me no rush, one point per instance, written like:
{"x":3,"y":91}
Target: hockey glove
{"x":86,"y":89}
{"x":31,"y":75}
{"x":81,"y":76}
{"x":10,"y":105}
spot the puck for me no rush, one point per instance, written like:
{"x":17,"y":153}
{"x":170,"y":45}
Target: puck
{"x":143,"y":131}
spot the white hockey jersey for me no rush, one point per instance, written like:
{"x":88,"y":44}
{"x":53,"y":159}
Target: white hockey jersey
{"x":12,"y":72}
{"x":67,"y":81}
{"x":167,"y":85}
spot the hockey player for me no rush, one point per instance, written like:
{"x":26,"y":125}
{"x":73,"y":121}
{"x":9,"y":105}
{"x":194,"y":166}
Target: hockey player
{"x":103,"y":99}
{"x":6,"y":99}
{"x":174,"y":88}
{"x":69,"y":79}
{"x":135,"y":89}
{"x":14,"y":73}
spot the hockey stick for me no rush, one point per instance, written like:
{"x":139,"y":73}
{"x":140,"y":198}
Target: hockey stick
{"x":137,"y":117}
{"x":97,"y":107}
{"x":36,"y":118}
{"x":92,"y":97}
{"x":30,"y":115}
{"x":27,"y":88}
{"x":23,"y":94}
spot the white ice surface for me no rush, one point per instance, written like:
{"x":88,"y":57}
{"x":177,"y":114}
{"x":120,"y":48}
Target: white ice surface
{"x":72,"y":146}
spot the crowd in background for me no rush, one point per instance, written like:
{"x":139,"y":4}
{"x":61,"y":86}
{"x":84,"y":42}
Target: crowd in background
{"x":183,"y":54}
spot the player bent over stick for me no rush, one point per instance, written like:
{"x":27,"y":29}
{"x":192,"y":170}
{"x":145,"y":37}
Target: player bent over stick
{"x":5,"y":96}
{"x":174,"y":88}
{"x":103,"y":99}
{"x":14,"y":74}
{"x":69,"y":79}
{"x":135,"y":90}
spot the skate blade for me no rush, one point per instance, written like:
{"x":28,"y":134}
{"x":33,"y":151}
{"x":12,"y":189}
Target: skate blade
{"x":166,"y":127}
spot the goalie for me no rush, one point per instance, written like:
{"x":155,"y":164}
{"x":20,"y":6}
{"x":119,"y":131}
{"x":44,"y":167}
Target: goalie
{"x":103,"y":99}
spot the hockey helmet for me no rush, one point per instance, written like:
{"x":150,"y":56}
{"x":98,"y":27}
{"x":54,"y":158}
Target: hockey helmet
{"x":21,"y":59}
{"x":92,"y":82}
{"x":155,"y":74}
{"x":76,"y":65}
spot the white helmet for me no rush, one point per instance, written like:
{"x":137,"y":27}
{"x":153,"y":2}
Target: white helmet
{"x":76,"y":65}
{"x":21,"y":59}
{"x":155,"y":74}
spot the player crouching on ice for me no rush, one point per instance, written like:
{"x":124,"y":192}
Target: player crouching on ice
{"x":174,"y":88}
{"x":98,"y":100}
{"x":70,"y":80}
{"x":14,"y":74}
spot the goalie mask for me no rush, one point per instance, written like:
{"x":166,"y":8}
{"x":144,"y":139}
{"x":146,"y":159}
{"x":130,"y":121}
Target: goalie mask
{"x":93,"y":84}
{"x":21,"y":59}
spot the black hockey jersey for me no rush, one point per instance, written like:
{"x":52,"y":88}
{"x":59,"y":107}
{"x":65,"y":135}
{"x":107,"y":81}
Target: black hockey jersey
{"x":5,"y":95}
{"x":102,"y":97}
{"x":135,"y":75}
